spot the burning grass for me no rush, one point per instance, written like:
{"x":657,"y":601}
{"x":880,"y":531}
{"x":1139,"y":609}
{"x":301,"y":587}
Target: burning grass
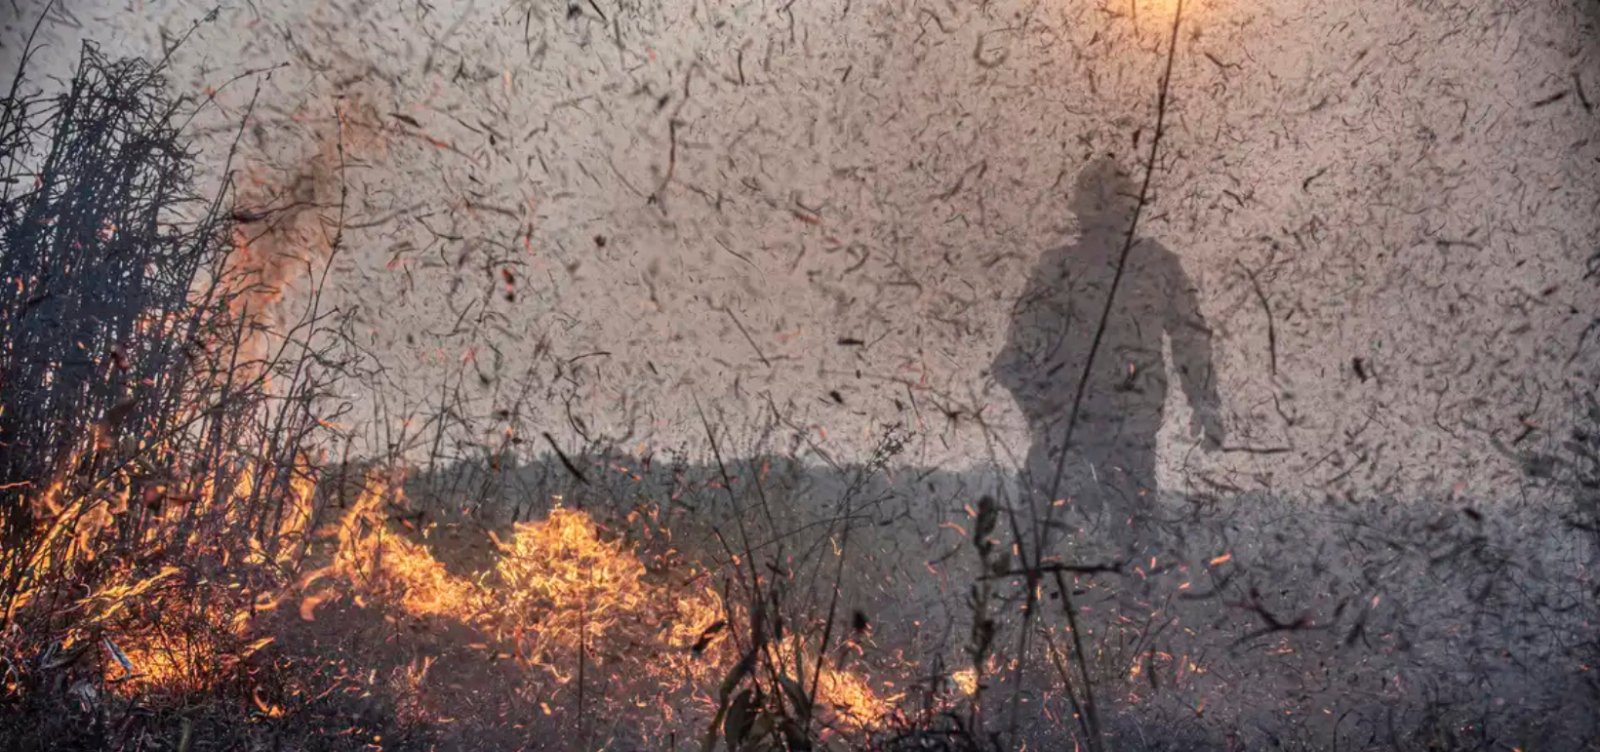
{"x":560,"y":585}
{"x":163,"y":442}
{"x":577,"y":608}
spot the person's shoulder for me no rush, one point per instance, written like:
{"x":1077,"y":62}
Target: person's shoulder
{"x":1153,"y":247}
{"x":1153,"y":256}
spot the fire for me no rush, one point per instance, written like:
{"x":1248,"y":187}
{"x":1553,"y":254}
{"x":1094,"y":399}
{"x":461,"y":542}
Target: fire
{"x":179,"y":627}
{"x":381,"y":563}
{"x":558,"y":584}
{"x":563,"y":586}
{"x":851,"y":700}
{"x":565,"y":597}
{"x":965,"y":681}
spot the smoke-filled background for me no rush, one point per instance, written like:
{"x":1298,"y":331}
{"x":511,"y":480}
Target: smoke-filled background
{"x":716,"y":197}
{"x":613,"y":224}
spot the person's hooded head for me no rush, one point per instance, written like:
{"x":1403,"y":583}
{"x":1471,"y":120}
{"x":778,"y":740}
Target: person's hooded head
{"x":1105,"y":197}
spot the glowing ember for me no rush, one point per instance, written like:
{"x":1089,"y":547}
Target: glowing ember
{"x":965,"y":681}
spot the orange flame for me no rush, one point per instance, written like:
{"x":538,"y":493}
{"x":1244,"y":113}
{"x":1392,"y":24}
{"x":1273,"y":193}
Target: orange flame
{"x":563,"y":588}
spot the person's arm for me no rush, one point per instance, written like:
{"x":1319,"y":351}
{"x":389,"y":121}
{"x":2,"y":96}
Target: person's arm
{"x":1192,"y":355}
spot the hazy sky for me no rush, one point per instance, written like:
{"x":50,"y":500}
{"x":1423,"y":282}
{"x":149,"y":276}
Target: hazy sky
{"x":831,"y":207}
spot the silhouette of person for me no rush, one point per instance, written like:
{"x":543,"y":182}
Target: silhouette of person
{"x":1109,"y":472}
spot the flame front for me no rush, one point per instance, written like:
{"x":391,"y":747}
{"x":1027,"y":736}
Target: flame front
{"x":563,"y":599}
